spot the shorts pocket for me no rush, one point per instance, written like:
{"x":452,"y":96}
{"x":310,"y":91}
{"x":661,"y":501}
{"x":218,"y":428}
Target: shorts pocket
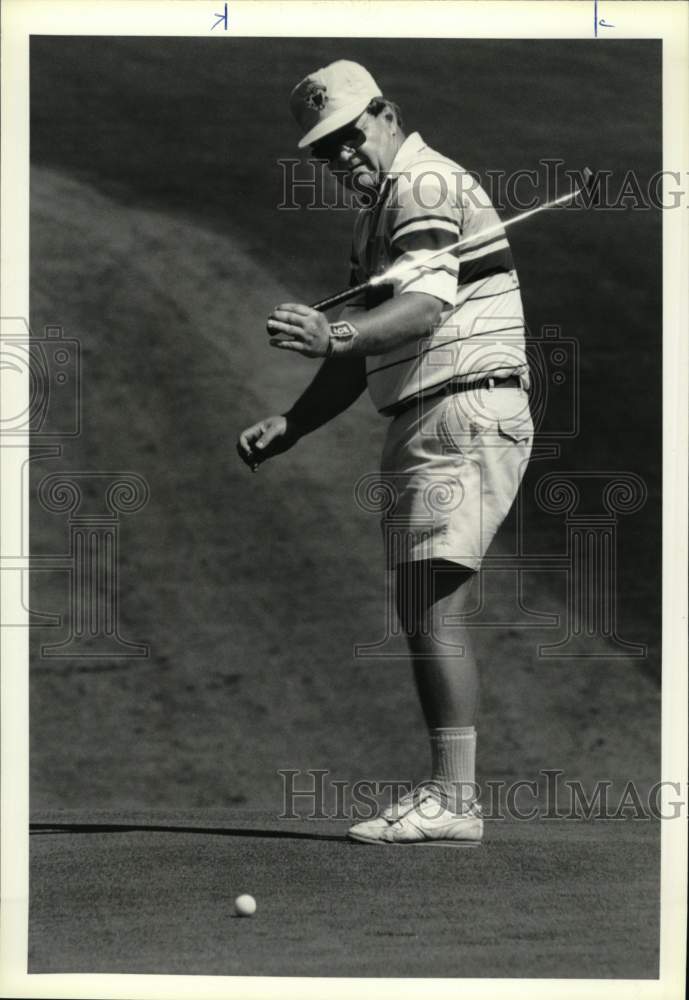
{"x":517,"y":428}
{"x":460,"y":426}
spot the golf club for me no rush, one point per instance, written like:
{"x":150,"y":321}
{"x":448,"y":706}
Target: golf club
{"x":412,"y":265}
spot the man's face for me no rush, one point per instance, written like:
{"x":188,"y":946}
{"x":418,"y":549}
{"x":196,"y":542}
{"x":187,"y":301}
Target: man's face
{"x":359,"y":154}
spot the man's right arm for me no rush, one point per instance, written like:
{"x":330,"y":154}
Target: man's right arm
{"x":336,"y":385}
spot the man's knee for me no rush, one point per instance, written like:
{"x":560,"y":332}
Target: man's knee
{"x":428,"y":588}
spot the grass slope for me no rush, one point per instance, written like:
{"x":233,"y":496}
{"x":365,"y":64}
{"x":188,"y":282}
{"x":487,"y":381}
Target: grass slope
{"x":251,"y":590}
{"x":197,"y":127}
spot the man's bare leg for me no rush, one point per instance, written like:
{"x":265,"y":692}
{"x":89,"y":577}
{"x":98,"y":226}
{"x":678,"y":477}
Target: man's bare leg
{"x":445,"y":672}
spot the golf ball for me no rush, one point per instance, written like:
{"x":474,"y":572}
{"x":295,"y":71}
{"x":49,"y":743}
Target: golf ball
{"x":245,"y":905}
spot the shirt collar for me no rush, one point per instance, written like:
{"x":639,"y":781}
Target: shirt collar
{"x":410,"y":148}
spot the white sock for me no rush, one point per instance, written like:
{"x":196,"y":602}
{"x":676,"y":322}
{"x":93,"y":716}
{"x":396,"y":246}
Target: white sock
{"x":453,"y":764}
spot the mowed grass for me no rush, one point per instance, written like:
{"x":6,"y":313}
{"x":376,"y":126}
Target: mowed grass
{"x":551,"y":899}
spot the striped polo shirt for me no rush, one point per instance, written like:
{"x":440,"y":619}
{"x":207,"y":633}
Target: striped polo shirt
{"x":428,"y":202}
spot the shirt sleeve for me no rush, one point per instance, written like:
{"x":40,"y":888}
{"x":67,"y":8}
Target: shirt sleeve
{"x":425,"y":220}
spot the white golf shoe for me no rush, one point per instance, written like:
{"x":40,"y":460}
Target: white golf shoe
{"x":421,"y":817}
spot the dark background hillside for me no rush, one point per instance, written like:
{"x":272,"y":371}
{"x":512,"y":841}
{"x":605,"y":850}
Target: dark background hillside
{"x":156,"y":240}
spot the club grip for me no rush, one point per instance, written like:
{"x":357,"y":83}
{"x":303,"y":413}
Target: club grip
{"x":340,"y":297}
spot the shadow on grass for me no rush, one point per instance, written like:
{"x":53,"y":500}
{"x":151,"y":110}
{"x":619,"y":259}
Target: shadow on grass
{"x":56,"y":828}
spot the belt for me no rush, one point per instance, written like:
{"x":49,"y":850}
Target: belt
{"x":452,"y":387}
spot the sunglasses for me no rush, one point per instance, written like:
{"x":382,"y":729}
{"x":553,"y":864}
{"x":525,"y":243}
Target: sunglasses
{"x":330,"y":147}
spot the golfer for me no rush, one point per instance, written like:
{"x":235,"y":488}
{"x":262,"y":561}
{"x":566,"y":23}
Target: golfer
{"x":440,"y":348}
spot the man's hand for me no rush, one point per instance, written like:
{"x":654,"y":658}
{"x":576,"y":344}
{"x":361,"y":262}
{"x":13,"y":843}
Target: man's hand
{"x":265,"y":439}
{"x":299,"y":328}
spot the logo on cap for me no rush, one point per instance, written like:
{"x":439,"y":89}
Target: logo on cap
{"x":315,"y":96}
{"x":331,"y":97}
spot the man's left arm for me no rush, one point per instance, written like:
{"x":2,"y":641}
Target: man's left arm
{"x":358,"y":332}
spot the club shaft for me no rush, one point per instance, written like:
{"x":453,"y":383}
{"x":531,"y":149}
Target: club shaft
{"x":341,"y":297}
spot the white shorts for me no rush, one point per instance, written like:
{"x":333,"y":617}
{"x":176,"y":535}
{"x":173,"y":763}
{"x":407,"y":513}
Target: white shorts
{"x":452,"y":466}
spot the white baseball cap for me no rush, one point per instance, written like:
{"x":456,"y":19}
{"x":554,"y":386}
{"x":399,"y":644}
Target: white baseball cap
{"x":330,"y":98}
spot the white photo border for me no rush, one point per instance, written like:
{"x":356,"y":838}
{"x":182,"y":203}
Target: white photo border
{"x":667,"y":20}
